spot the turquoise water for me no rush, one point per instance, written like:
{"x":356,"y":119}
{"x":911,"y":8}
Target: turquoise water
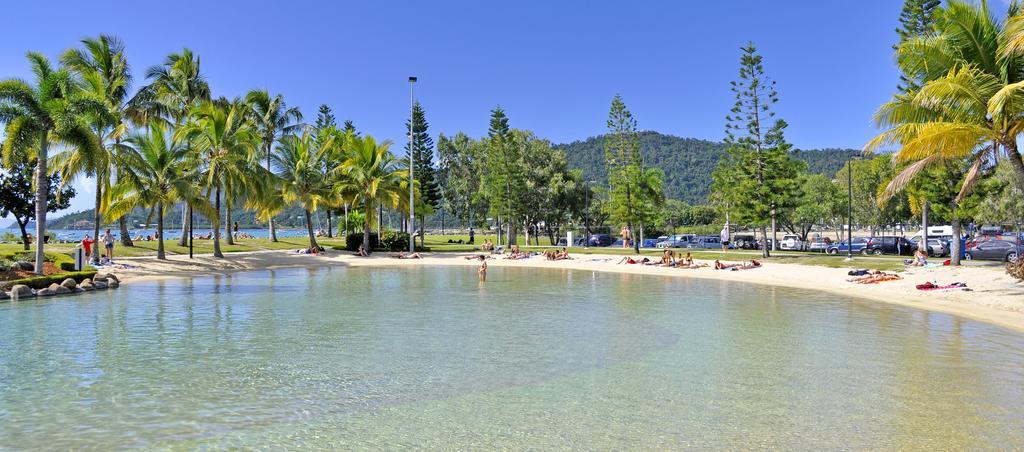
{"x":430,"y":357}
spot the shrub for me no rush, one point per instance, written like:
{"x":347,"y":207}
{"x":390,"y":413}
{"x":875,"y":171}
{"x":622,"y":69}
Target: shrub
{"x":49,"y":256}
{"x":9,"y":237}
{"x":39,"y":282}
{"x":394,"y":241}
{"x":1016,"y":269}
{"x":355,"y":239}
{"x":67,"y":266}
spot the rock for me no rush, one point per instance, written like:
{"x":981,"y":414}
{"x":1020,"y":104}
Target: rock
{"x":3,"y":296}
{"x":100,"y":284}
{"x":71,"y":284}
{"x":26,"y":266}
{"x":21,"y":290}
{"x":86,"y":286}
{"x":112,"y":283}
{"x":110,"y":277}
{"x":99,"y":275}
{"x":58,"y":289}
{"x":44,"y":292}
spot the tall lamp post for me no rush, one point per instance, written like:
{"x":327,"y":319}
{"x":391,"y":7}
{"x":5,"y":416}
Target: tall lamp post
{"x":586,"y":217}
{"x":412,"y":147}
{"x":849,"y":207}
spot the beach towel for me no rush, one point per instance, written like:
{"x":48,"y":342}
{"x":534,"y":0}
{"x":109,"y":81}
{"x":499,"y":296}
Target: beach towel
{"x":932,"y":286}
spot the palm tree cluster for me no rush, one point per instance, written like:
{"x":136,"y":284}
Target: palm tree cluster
{"x":964,"y":107}
{"x":172,"y":142}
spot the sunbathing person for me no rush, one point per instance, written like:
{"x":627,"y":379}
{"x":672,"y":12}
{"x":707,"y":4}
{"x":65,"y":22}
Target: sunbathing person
{"x":719,"y":265}
{"x":361,"y":252}
{"x":875,"y":277}
{"x":753,"y":264}
{"x":561,"y":255}
{"x":404,"y":255}
{"x":668,"y":258}
{"x":630,"y":260}
{"x":475,"y":256}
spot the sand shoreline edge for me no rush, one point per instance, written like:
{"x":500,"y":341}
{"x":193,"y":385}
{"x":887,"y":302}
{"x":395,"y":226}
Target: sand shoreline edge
{"x":995,"y":297}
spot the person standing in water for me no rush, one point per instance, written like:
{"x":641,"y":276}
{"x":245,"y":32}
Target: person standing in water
{"x":483,"y":268}
{"x":108,"y":244}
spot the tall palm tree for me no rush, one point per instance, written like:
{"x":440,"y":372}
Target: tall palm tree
{"x":156,"y":174}
{"x":226,"y":142}
{"x":273,"y":119}
{"x":36,"y":116}
{"x":375,"y":176}
{"x":102,"y":65}
{"x":298,"y":163}
{"x":176,"y":88}
{"x":970,"y":103}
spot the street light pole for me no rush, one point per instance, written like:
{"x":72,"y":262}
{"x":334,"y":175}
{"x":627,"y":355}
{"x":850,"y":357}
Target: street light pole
{"x":586,"y":217}
{"x":849,"y":209}
{"x":412,"y":147}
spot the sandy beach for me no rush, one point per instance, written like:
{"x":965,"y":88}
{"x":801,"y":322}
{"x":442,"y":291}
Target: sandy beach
{"x":994,"y":296}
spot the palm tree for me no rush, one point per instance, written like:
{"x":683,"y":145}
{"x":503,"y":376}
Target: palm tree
{"x":156,"y":174}
{"x":227,"y":144}
{"x":970,"y":103}
{"x":371,"y":173}
{"x":177,"y":88}
{"x":273,"y":119}
{"x":105,"y":72}
{"x":299,"y":163}
{"x":36,"y":116}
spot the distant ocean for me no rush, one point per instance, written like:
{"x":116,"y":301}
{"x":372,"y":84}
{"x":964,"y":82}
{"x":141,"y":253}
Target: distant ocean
{"x":74,"y":235}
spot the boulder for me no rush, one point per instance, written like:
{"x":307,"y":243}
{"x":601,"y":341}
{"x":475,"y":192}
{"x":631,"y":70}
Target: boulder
{"x":44,"y":292}
{"x":112,"y":283}
{"x":86,"y":285}
{"x":99,"y":275}
{"x":69,"y":283}
{"x":3,"y":296}
{"x":21,"y":290}
{"x":113,"y":278}
{"x":99,"y":284}
{"x":58,"y":289}
{"x":26,"y":266}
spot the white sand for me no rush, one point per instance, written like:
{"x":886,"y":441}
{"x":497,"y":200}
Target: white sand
{"x":995,"y":297}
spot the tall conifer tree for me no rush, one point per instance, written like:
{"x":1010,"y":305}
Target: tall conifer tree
{"x":423,"y":160}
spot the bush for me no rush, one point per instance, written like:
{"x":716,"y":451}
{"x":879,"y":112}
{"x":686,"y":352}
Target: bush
{"x":67,"y":266}
{"x":39,"y":282}
{"x":9,"y":237}
{"x":30,"y":256}
{"x":354,"y":239}
{"x":1016,"y":269}
{"x":394,"y":241}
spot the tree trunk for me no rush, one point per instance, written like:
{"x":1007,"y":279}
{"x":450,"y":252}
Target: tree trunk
{"x":97,"y":219}
{"x":346,"y":221}
{"x":309,"y":228}
{"x":775,"y":233}
{"x":1014,"y":157}
{"x":160,"y":231}
{"x":330,"y":225}
{"x":366,"y":226}
{"x":272,"y":234}
{"x":24,"y":233}
{"x":228,"y":231}
{"x":764,"y":249}
{"x":954,"y":245}
{"x":185,"y":211}
{"x":42,"y":185}
{"x":126,"y":235}
{"x":216,"y":229}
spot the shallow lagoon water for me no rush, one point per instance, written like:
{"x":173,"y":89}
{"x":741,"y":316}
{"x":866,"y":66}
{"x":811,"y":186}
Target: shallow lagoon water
{"x":430,"y":357}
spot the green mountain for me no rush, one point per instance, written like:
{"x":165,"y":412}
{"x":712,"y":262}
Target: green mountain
{"x":687,"y":162}
{"x":292,"y":217}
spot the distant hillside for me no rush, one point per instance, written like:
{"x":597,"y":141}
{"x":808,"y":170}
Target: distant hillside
{"x":687,"y":162}
{"x":292,"y":217}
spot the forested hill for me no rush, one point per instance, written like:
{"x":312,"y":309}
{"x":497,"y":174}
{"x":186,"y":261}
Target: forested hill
{"x":687,"y":162}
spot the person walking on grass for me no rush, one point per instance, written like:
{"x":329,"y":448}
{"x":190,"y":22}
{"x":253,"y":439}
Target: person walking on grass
{"x":108,"y":244}
{"x":725,"y":237}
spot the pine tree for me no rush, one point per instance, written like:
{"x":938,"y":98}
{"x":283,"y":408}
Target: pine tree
{"x":759,"y":163}
{"x":916,"y":20}
{"x":503,"y":180}
{"x":324,"y":118}
{"x":350,"y":128}
{"x":622,"y":157}
{"x":424,"y":170}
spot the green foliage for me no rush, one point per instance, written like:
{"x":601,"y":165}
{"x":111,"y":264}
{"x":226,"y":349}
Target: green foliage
{"x":998,"y":199}
{"x":17,"y":195}
{"x":870,"y":207}
{"x":635,"y":192}
{"x":819,"y":203}
{"x":394,"y":240}
{"x":423,"y":158}
{"x":460,"y":172}
{"x":355,"y":239}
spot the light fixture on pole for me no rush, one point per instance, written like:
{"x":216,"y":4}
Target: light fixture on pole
{"x":412,"y":146}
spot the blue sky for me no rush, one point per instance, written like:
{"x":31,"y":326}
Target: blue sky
{"x":553,"y":65}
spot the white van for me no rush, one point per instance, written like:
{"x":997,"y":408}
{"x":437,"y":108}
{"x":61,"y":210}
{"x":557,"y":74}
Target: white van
{"x":934,"y":232}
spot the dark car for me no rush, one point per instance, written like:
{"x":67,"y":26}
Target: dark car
{"x":600,"y":240}
{"x":841,"y":247}
{"x":889,"y":245}
{"x":1002,"y":250}
{"x":743,"y":241}
{"x":578,"y":241}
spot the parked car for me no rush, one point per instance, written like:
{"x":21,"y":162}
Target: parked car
{"x":649,"y":243}
{"x":744,"y":242}
{"x":675,"y":241}
{"x":760,"y":243}
{"x":842,"y":247}
{"x":819,"y":244}
{"x":578,"y":241}
{"x":936,"y":247}
{"x":600,"y":239}
{"x":704,"y":241}
{"x":791,"y":242}
{"x":889,"y":244}
{"x":1002,"y":250}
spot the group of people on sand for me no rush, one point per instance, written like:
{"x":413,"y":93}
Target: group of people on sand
{"x":556,"y":255}
{"x":488,"y":245}
{"x":669,"y":258}
{"x":516,"y":253}
{"x":315,"y":250}
{"x":872,"y":277}
{"x":719,"y":265}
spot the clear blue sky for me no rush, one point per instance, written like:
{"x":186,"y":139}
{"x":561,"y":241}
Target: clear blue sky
{"x":553,"y":65}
